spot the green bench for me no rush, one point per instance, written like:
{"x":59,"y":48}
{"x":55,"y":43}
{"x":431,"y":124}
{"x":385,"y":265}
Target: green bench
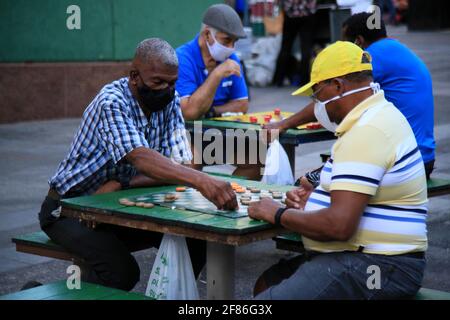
{"x":438,"y":187}
{"x":87,"y":291}
{"x":293,"y":242}
{"x":38,"y":243}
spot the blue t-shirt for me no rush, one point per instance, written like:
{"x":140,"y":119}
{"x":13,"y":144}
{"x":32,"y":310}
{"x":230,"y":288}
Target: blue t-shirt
{"x":192,"y":73}
{"x":406,"y":82}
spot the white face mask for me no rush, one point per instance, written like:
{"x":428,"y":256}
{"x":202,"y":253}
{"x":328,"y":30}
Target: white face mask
{"x":218,"y":51}
{"x":321,"y":112}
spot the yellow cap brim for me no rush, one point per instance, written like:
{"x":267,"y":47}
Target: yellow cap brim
{"x":306,"y":90}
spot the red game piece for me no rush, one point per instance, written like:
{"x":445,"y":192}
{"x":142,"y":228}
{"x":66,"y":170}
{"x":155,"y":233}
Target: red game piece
{"x":267,"y":117}
{"x":277,"y":111}
{"x":253,"y":119}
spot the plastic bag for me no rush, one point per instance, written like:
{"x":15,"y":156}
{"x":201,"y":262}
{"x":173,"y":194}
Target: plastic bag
{"x":261,"y":67}
{"x":278,"y":169}
{"x":172,"y":277}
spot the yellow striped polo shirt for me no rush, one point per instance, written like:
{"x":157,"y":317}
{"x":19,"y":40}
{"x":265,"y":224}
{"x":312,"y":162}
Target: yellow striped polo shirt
{"x":376,"y":153}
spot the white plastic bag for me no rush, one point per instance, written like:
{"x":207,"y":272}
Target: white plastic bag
{"x":172,"y":277}
{"x":278,"y":169}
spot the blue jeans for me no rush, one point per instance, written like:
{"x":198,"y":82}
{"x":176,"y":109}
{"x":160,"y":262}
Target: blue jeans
{"x":344,"y":275}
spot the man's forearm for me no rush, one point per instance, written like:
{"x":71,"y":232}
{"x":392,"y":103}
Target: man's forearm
{"x":318,"y":225}
{"x":201,"y":100}
{"x":144,"y":160}
{"x":232,"y":106}
{"x":141,"y":180}
{"x":303,"y":116}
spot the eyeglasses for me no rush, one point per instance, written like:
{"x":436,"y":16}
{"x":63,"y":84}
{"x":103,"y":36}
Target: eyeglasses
{"x":313,"y":96}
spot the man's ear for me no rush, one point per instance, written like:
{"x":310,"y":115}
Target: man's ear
{"x":338,"y":84}
{"x":133,"y":77}
{"x":360,"y":42}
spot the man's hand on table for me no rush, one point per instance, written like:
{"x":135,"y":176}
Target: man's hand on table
{"x":297,"y":198}
{"x":218,"y":192}
{"x":264,"y":209}
{"x":280,"y":126}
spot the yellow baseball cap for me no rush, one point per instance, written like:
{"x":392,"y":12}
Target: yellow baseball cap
{"x":336,"y":60}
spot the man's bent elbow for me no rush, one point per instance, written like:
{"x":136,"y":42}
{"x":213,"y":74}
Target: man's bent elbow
{"x":137,"y":157}
{"x":343,"y":233}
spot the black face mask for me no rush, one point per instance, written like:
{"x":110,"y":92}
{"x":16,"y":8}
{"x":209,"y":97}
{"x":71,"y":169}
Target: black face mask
{"x":155,"y":100}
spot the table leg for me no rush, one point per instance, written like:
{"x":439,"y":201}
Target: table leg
{"x":290,"y":150}
{"x":220,"y":271}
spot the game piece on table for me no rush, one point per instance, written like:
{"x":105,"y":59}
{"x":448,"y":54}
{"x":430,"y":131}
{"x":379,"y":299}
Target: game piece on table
{"x":277,"y":111}
{"x":239,"y":190}
{"x":245,"y":202}
{"x":313,"y":126}
{"x":170,"y":197}
{"x":264,"y":196}
{"x":180,"y":189}
{"x":126,"y":202}
{"x":267,"y":118}
{"x":255,"y":190}
{"x":277,"y":195}
{"x":144,"y":205}
{"x":253,"y":119}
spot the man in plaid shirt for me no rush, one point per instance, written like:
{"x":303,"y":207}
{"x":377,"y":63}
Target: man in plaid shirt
{"x":131,"y":135}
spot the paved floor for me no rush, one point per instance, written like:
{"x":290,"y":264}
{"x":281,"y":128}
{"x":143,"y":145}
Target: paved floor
{"x":30,"y":152}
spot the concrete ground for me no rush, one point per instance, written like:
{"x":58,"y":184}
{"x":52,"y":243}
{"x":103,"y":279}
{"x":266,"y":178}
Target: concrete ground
{"x":30,"y":153}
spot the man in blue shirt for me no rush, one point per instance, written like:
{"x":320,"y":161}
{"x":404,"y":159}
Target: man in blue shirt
{"x":402,"y":75}
{"x":210,"y":80}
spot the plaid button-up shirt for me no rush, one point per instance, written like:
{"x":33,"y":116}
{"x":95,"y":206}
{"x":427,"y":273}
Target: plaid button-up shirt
{"x":112,"y":126}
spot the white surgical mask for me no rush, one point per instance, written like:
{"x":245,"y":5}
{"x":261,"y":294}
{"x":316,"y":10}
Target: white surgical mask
{"x":321,"y":112}
{"x":218,"y":51}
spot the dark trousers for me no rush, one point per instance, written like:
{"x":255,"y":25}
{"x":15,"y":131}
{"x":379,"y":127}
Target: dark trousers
{"x":304,"y":27}
{"x":106,"y":250}
{"x":429,"y":167}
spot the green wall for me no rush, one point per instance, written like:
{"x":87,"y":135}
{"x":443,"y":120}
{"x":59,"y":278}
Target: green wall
{"x":35,"y":30}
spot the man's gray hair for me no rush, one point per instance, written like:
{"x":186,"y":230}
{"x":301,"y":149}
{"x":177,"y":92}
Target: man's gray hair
{"x":156,"y":49}
{"x":213,"y":30}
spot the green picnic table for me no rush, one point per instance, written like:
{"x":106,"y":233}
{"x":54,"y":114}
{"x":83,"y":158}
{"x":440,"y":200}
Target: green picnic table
{"x":222,"y":233}
{"x":288,"y":139}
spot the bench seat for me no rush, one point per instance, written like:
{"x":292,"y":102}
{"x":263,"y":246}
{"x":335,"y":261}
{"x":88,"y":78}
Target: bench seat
{"x":59,"y":291}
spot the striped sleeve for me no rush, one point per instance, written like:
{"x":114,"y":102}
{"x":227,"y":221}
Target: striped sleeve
{"x":360,"y":160}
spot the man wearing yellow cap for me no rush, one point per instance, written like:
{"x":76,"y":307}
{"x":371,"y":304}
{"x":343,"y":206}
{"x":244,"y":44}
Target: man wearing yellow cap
{"x":364,"y":226}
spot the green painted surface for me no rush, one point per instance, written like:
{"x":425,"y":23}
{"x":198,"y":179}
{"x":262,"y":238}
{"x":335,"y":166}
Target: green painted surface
{"x":430,"y":294}
{"x":438,"y":184}
{"x":109,"y":203}
{"x":293,"y":237}
{"x":35,"y":238}
{"x":110,"y":29}
{"x":245,"y":126}
{"x":59,"y":291}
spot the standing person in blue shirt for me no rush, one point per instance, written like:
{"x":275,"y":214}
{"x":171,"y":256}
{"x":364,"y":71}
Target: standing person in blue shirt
{"x":401,"y":74}
{"x":210,"y":80}
{"x":404,"y":78}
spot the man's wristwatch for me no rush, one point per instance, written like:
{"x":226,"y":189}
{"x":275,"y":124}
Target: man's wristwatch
{"x":278,"y":215}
